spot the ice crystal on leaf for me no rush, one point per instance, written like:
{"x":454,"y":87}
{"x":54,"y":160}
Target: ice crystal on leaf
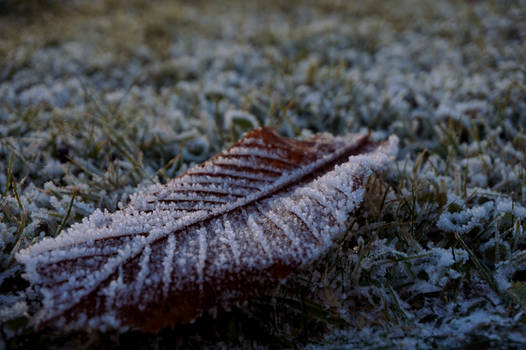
{"x":221,"y":232}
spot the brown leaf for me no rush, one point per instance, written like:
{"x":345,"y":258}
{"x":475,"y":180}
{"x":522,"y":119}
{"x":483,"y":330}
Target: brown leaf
{"x":222,"y":232}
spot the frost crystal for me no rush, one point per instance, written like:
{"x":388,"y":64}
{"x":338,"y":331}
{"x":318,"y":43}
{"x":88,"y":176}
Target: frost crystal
{"x":219,"y":233}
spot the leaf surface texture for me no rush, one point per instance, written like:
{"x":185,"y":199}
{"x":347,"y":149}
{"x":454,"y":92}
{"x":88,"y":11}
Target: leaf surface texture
{"x":223,"y":231}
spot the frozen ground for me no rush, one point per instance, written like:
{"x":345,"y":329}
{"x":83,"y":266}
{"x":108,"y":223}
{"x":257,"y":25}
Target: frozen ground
{"x":99,"y":98}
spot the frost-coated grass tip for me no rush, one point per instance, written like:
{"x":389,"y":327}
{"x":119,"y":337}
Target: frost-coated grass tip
{"x":222,"y":232}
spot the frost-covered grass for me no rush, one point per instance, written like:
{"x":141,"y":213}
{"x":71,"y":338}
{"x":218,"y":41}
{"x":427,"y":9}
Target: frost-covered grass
{"x":98,"y":99}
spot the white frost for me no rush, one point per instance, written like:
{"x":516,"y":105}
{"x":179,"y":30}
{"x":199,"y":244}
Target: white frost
{"x":168,"y":252}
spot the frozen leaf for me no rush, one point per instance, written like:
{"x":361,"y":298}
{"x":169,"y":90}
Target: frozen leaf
{"x":222,"y":232}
